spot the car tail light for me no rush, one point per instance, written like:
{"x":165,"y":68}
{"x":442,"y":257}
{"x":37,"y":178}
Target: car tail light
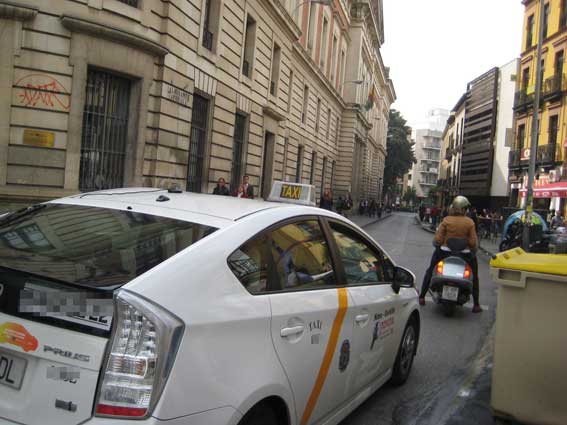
{"x":468,"y":272}
{"x":440,"y":265}
{"x":144,"y":343}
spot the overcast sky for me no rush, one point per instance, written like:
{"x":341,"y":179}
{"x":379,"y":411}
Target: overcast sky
{"x":434,"y":48}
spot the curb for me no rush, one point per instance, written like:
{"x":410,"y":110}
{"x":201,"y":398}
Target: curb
{"x":376,"y":221}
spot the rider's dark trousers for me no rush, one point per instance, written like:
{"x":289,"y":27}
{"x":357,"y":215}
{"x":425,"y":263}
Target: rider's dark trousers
{"x":437,"y":256}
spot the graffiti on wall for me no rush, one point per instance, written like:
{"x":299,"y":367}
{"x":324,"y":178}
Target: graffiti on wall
{"x":43,"y":91}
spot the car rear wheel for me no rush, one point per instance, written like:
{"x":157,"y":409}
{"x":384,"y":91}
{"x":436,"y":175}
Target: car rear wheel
{"x":406,"y":353}
{"x":260,"y":415}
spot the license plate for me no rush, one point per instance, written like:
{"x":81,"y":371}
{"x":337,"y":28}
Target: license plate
{"x":12,"y":370}
{"x":450,"y":293}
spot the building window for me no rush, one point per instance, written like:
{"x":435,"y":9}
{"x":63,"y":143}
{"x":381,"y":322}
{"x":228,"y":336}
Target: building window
{"x":211,"y":23}
{"x":542,"y":70}
{"x":324,"y":36}
{"x":333,"y":164}
{"x":249,"y":46}
{"x":559,"y":59}
{"x":290,"y":90}
{"x":318,"y":116}
{"x":311,"y":25}
{"x":238,"y":145}
{"x":299,"y":163}
{"x":328,"y":124}
{"x":530,"y":32}
{"x":342,"y":69}
{"x":337,"y":129}
{"x":305,"y":103}
{"x":521,"y":136}
{"x":525,"y":78}
{"x":133,"y":3}
{"x":545,"y":20}
{"x":553,"y":127}
{"x":563,"y":17}
{"x":197,"y":144}
{"x":105,"y":131}
{"x":333,"y":59}
{"x":276,"y":59}
{"x":324,"y":173}
{"x":313,"y":165}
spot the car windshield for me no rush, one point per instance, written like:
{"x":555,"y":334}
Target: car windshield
{"x":96,"y":247}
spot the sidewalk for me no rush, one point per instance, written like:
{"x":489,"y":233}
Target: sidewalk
{"x":365,"y":221}
{"x":489,"y":247}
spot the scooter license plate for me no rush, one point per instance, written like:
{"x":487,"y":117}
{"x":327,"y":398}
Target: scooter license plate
{"x":450,"y":293}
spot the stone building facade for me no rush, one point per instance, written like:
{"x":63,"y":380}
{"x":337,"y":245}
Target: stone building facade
{"x":99,"y":94}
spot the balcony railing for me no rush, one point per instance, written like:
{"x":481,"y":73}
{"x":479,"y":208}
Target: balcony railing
{"x":133,"y":3}
{"x":549,"y":154}
{"x":208,"y":40}
{"x":514,"y":158}
{"x":522,"y":99}
{"x":553,"y":87}
{"x":431,"y":146}
{"x":546,"y":155}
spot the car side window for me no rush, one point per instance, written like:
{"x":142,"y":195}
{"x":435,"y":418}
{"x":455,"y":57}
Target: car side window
{"x":293,"y":256}
{"x":361,"y":262}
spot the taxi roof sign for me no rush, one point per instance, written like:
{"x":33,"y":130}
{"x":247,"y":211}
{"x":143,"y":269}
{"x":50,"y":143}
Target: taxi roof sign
{"x":293,"y":193}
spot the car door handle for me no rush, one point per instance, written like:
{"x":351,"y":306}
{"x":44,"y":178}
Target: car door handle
{"x":291,"y":331}
{"x":361,"y":318}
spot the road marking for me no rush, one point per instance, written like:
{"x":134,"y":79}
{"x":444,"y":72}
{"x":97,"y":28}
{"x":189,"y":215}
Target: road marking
{"x":328,"y":357}
{"x":470,"y":305}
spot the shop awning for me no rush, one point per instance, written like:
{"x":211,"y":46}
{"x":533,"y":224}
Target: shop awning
{"x":549,"y":190}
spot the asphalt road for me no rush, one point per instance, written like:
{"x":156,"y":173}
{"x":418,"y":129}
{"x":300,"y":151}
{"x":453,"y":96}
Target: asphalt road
{"x":451,"y":370}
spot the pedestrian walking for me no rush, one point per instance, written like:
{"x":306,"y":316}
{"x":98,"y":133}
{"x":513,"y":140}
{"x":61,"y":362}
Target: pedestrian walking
{"x":474,"y":217}
{"x":372,"y":209}
{"x":326,"y":201}
{"x":340,"y":205}
{"x":348,"y":204}
{"x":220,"y":188}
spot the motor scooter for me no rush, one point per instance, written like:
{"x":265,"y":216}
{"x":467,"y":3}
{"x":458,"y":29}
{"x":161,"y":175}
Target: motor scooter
{"x":452,"y":279}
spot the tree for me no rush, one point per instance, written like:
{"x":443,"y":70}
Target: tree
{"x":410,"y":196}
{"x":400,"y":157}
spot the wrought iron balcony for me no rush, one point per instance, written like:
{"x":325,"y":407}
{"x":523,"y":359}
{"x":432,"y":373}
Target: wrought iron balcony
{"x":523,"y":100}
{"x":208,"y":40}
{"x":554,"y":87}
{"x":514,"y":159}
{"x":549,"y":154}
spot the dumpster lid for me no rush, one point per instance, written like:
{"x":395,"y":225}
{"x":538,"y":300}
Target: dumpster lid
{"x":518,"y":259}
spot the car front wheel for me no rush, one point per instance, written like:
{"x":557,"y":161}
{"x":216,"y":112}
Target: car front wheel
{"x":406,"y":353}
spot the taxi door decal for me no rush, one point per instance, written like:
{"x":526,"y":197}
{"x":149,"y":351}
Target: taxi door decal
{"x":328,"y":357}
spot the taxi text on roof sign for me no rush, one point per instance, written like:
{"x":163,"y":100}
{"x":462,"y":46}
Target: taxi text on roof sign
{"x":293,"y":193}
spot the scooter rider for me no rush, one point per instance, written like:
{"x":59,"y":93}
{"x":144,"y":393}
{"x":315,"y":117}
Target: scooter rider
{"x":455,"y":225}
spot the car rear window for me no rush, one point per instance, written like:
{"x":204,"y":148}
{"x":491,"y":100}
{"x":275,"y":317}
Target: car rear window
{"x":91,"y":246}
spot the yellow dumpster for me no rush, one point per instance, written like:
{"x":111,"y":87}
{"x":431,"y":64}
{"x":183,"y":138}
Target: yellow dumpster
{"x":529,"y":378}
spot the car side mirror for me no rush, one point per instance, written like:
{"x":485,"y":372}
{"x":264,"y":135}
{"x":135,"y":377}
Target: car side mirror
{"x":403,"y":278}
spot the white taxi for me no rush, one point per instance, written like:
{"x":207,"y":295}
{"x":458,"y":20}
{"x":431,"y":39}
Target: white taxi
{"x":181,"y":308}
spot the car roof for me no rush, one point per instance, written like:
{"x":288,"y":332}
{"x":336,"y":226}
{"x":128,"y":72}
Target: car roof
{"x":176,"y":205}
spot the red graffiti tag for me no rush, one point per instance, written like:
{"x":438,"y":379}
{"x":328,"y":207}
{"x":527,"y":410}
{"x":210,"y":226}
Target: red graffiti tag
{"x":46,"y":93}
